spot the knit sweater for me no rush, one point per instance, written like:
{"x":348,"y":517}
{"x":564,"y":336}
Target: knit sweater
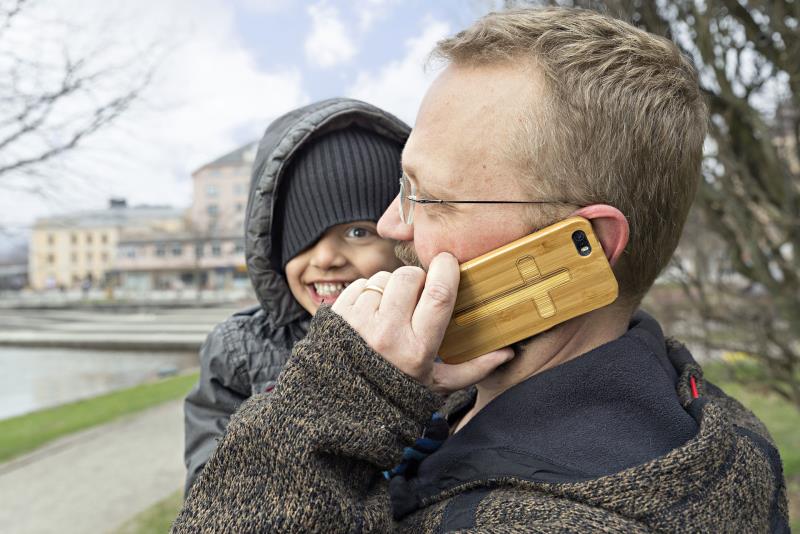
{"x":310,"y":457}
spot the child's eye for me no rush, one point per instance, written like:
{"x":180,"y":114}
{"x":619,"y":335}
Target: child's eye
{"x":358,"y":232}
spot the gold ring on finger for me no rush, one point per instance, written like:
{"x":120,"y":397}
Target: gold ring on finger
{"x":371,"y":287}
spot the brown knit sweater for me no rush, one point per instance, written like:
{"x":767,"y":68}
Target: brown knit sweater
{"x":309,"y":457}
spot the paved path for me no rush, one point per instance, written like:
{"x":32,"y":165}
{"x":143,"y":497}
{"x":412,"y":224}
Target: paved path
{"x":91,"y":482}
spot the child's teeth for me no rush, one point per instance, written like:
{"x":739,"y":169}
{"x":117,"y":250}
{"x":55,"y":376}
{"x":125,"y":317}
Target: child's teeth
{"x":328,"y":289}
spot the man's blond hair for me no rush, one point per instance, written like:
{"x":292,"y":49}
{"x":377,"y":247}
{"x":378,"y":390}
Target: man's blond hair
{"x":622,"y":121}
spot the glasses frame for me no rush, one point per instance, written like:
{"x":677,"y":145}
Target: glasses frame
{"x":412,"y":198}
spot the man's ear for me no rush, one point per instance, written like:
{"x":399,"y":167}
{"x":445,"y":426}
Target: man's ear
{"x":611,"y":228}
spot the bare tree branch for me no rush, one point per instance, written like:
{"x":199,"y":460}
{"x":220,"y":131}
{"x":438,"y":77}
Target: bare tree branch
{"x":50,"y":105}
{"x":7,"y":14}
{"x":102,"y":116}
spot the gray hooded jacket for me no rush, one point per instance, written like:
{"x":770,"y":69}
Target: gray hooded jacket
{"x":244,"y":355}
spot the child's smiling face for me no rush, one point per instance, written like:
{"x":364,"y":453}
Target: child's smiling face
{"x":344,"y":253}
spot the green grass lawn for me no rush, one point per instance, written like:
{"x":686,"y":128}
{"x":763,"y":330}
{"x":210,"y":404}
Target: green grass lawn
{"x":781,"y":418}
{"x":156,"y":519}
{"x":22,"y":434}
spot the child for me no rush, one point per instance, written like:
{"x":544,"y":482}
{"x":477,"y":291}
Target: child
{"x":323,"y":176}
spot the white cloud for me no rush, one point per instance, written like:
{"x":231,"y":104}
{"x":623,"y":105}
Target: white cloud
{"x":208,"y":96}
{"x":371,"y":11}
{"x":329,"y":44}
{"x":399,"y":86}
{"x":266,"y":6}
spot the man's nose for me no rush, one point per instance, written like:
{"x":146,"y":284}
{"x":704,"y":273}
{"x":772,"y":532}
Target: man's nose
{"x":326,"y":254}
{"x":390,"y":226}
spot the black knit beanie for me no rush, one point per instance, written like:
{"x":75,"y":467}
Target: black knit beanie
{"x":342,"y":176}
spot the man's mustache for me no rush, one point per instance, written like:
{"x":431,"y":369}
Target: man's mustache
{"x":404,"y":250}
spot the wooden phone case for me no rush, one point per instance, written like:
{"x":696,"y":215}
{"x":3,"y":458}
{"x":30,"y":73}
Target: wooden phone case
{"x":526,"y":287}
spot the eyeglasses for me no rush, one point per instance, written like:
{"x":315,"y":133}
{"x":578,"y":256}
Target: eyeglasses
{"x":407,"y":201}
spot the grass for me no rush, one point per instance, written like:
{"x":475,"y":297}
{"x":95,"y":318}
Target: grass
{"x":156,"y":519}
{"x":24,"y":433}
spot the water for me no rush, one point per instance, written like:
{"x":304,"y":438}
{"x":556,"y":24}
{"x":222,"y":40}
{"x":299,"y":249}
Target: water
{"x":35,"y":378}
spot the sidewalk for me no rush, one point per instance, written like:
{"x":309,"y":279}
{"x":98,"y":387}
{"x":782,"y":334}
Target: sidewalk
{"x":95,"y":480}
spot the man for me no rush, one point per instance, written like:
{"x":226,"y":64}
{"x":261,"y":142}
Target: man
{"x":598,"y":424}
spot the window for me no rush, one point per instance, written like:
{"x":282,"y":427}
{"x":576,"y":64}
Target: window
{"x":216,"y":249}
{"x":161,"y":250}
{"x":239,"y":189}
{"x":73,"y":238}
{"x":239,"y":207}
{"x":51,"y":259}
{"x":211,"y":190}
{"x":88,"y":257}
{"x":51,"y":239}
{"x":177,"y":249}
{"x":104,"y":257}
{"x":88,"y":238}
{"x":199,"y":250}
{"x":73,"y":257}
{"x":239,"y":247}
{"x":213,"y":210}
{"x":104,"y":239}
{"x":128,"y":251}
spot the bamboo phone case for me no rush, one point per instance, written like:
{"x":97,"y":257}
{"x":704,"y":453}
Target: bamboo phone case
{"x":526,"y":287}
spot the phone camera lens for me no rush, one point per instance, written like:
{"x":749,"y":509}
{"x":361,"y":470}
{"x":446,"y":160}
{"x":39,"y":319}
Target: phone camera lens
{"x":581,"y":243}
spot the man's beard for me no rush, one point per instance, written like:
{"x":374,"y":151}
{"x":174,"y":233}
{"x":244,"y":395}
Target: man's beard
{"x":404,"y":250}
{"x":519,"y":346}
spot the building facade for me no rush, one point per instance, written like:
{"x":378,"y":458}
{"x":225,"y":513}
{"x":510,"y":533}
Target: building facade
{"x":208,"y":253}
{"x":80,"y":249}
{"x":220,"y":190}
{"x":147,"y":248}
{"x":179,"y":261}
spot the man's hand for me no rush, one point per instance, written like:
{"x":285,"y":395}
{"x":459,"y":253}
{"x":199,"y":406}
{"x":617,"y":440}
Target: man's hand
{"x":407,"y":322}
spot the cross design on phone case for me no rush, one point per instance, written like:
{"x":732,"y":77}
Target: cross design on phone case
{"x":540,"y":286}
{"x":535,"y":287}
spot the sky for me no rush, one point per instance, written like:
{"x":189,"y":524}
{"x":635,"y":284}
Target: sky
{"x":223,"y":70}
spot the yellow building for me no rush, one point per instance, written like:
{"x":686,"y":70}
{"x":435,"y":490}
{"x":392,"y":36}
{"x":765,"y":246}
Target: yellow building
{"x":71,"y":250}
{"x":146,"y":248}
